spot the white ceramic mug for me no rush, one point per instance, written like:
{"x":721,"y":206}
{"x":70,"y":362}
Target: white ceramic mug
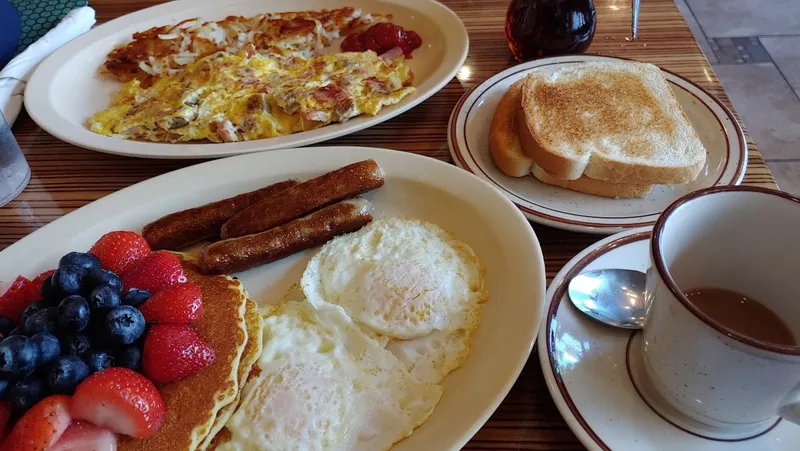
{"x":743,"y":239}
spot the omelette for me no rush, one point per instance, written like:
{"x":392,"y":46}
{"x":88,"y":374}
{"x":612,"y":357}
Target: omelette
{"x":228,"y":97}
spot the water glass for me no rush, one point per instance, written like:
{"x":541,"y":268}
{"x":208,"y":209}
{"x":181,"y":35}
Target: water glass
{"x":14,"y":170}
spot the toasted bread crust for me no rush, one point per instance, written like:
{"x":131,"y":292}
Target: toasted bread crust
{"x":594,"y":187}
{"x":609,"y":121}
{"x":504,"y":146}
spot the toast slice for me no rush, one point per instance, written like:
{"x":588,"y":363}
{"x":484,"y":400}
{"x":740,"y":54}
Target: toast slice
{"x":595,"y":187}
{"x":504,"y":146}
{"x":610,"y":121}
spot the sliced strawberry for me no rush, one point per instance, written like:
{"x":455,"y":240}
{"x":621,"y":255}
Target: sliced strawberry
{"x":5,"y":414}
{"x":16,"y":298}
{"x":36,"y":284}
{"x":84,"y":436}
{"x":120,"y":251}
{"x":173,"y":352}
{"x":158,"y":271}
{"x":41,"y":426}
{"x":121,"y":400}
{"x":181,"y":304}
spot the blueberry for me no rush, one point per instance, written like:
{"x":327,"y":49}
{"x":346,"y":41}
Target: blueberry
{"x":68,"y":371}
{"x":104,"y":299}
{"x":135,"y":297}
{"x":84,"y":260}
{"x":49,"y":291}
{"x":76,"y":344}
{"x":72,"y":314}
{"x":26,"y":392}
{"x":124,"y":325}
{"x":6,"y":325}
{"x":48,"y":345}
{"x":102,"y":277}
{"x":69,"y":279}
{"x":42,"y":321}
{"x":98,"y":360}
{"x":3,"y":387}
{"x":18,"y":355}
{"x":130,"y":357}
{"x":32,"y":309}
{"x":17,"y":331}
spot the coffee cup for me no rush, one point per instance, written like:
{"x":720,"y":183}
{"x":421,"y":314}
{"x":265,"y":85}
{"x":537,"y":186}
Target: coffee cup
{"x":696,"y":369}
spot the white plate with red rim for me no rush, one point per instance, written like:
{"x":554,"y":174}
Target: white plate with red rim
{"x":587,"y":367}
{"x":468,"y":139}
{"x":67,"y":88}
{"x":415,"y":187}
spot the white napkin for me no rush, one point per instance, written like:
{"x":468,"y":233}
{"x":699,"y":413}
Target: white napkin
{"x":19,"y":70}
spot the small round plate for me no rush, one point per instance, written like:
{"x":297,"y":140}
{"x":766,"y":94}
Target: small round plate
{"x":468,"y":138}
{"x":587,"y":367}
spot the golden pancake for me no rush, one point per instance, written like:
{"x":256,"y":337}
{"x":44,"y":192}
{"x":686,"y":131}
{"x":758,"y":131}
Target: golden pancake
{"x":252,"y":351}
{"x":193,"y":403}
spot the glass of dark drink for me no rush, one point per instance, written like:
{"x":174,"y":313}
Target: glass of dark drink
{"x":537,"y":28}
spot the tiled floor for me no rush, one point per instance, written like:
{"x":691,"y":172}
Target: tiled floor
{"x":754,"y":47}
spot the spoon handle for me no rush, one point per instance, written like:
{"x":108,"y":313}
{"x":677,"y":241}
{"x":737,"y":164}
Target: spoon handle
{"x":635,"y":20}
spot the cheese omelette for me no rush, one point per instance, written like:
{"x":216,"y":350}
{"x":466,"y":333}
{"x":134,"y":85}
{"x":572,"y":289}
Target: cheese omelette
{"x":245,"y":96}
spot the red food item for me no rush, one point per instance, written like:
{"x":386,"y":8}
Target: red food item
{"x":36,"y":284}
{"x":84,"y":436}
{"x":5,"y":414}
{"x":18,"y":296}
{"x":121,"y":400}
{"x":181,"y":304}
{"x":120,"y":251}
{"x":41,"y":426}
{"x":173,"y":352}
{"x":158,"y":271}
{"x":382,"y":37}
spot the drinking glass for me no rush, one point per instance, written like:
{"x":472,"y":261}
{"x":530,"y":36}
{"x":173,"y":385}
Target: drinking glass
{"x":14,"y":170}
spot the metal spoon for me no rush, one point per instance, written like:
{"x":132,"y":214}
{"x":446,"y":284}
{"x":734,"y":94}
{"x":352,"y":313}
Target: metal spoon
{"x":611,"y":296}
{"x":635,"y":19}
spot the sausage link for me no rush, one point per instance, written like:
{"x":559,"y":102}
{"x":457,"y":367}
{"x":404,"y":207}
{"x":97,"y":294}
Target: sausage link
{"x":238,"y":254}
{"x":299,"y":200}
{"x":182,"y":228}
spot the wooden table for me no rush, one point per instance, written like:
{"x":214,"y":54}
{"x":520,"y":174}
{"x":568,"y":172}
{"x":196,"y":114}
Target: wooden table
{"x":65,"y":177}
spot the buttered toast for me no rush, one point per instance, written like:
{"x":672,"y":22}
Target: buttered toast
{"x":609,"y":121}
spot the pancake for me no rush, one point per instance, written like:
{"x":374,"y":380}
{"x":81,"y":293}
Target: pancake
{"x":193,"y":403}
{"x":252,"y":351}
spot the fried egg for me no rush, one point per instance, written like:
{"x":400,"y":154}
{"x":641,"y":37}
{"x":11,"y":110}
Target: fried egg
{"x":322,"y":384}
{"x":406,"y":280}
{"x":228,"y":97}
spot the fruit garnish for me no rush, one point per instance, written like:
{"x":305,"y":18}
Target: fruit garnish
{"x":5,"y":415}
{"x":25,"y":393}
{"x":121,"y":400}
{"x":41,"y":426}
{"x":158,"y":271}
{"x":72,"y":314}
{"x":123,"y":325}
{"x":36,"y":284}
{"x":82,"y":259}
{"x":66,"y":373}
{"x":180,"y":304}
{"x":18,"y":355}
{"x":135,"y":297}
{"x":16,"y":298}
{"x":173,"y":352}
{"x":84,"y":436}
{"x":120,"y":251}
{"x":100,"y":277}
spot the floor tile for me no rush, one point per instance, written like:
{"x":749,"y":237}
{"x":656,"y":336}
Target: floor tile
{"x":785,"y":51}
{"x":787,"y":174}
{"x":766,"y":104}
{"x":734,"y":18}
{"x":688,"y":16}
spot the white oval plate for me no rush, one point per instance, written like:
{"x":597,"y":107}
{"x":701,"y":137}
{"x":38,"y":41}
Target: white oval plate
{"x":416,"y":186}
{"x":586,"y":367}
{"x":468,"y":138}
{"x":67,"y":89}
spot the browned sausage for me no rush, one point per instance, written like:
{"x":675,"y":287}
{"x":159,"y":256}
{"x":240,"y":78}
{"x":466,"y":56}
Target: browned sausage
{"x":186,"y":227}
{"x":343,"y":183}
{"x":238,"y":254}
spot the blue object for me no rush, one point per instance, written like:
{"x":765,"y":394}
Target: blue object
{"x":10,"y":31}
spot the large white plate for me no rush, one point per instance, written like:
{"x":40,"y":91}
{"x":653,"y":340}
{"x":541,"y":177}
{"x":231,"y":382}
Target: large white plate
{"x":415,"y":186}
{"x":67,"y":89}
{"x":468,"y":138}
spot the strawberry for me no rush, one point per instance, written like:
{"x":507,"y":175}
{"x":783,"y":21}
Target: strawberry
{"x":120,"y":251}
{"x":36,"y":284}
{"x":5,"y":414}
{"x":16,"y":298}
{"x":41,"y":426}
{"x":173,"y":352}
{"x":156,"y":272}
{"x":121,"y":400}
{"x":180,"y":304}
{"x":84,"y":436}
